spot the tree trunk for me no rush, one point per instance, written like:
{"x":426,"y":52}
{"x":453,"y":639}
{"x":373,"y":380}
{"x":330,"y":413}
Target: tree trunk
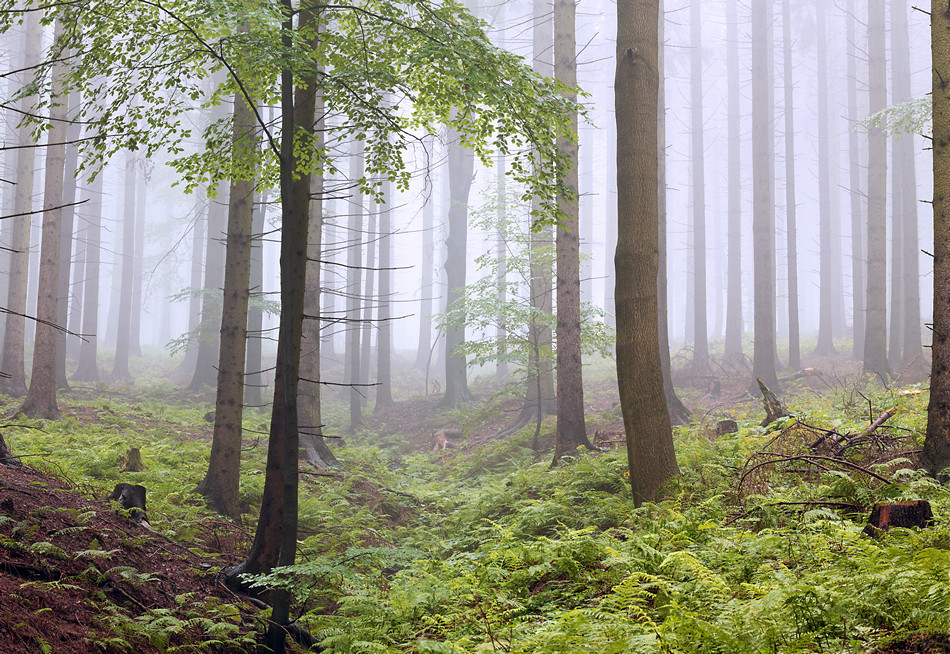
{"x":88,"y":368}
{"x":13,"y":338}
{"x":825,"y":346}
{"x":73,"y":132}
{"x":194,"y":283}
{"x":77,"y":284}
{"x":571,"y":425}
{"x":221,"y":481}
{"x":135,"y":324}
{"x":208,"y":342}
{"x":354,"y":262}
{"x":936,"y":454}
{"x":254,"y":379}
{"x":427,"y":289}
{"x":120,"y":370}
{"x":697,"y":158}
{"x":791,"y":227}
{"x":679,"y":414}
{"x":384,"y":337}
{"x":904,"y":162}
{"x":733,"y":343}
{"x":764,"y":350}
{"x":40,"y":401}
{"x":875,"y":334}
{"x":461,"y":174}
{"x":858,"y":268}
{"x":651,"y":458}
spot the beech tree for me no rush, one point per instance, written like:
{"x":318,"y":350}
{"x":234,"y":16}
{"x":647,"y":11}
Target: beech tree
{"x":651,"y":458}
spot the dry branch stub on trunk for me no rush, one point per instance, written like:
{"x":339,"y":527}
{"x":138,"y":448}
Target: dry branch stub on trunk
{"x":899,"y":514}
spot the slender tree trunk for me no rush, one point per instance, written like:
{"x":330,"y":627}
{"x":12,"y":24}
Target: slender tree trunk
{"x":427,"y":286}
{"x":904,"y":162}
{"x":13,"y":339}
{"x":370,"y":299}
{"x":208,"y":341}
{"x":76,"y":289}
{"x":858,"y":267}
{"x":73,"y":132}
{"x":253,"y":377}
{"x":221,"y":481}
{"x":825,"y":346}
{"x":40,"y":401}
{"x":384,"y":394}
{"x":875,"y":336}
{"x":461,"y":174}
{"x":764,"y":349}
{"x":791,"y":233}
{"x":733,"y":343}
{"x":135,"y":325}
{"x":88,"y":367}
{"x":936,"y":454}
{"x":896,"y":298}
{"x":501,"y":256}
{"x":679,"y":414}
{"x":698,"y":149}
{"x":585,"y":203}
{"x":651,"y":458}
{"x":354,"y":262}
{"x":120,"y":370}
{"x":571,"y":425}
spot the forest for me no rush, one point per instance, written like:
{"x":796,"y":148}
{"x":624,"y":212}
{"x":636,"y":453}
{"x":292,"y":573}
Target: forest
{"x":454,"y":326}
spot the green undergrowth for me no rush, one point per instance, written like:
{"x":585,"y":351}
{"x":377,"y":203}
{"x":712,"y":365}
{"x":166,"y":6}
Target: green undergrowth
{"x":491,"y":549}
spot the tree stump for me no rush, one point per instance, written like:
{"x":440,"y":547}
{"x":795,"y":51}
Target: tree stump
{"x":6,"y":456}
{"x":131,"y":497}
{"x":132,"y":461}
{"x":774,"y":409}
{"x":899,"y":514}
{"x":724,"y":427}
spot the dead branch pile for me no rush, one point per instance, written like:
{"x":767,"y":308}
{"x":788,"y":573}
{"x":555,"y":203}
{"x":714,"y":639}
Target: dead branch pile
{"x":805,"y":451}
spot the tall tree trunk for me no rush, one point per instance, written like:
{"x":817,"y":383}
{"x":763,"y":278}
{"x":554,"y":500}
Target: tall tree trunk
{"x":936,"y":454}
{"x":651,"y":458}
{"x":384,"y":337}
{"x":354,"y":262}
{"x":120,"y":370}
{"x":571,"y":425}
{"x":254,"y":378}
{"x":77,"y":285}
{"x":791,"y":227}
{"x":208,"y":341}
{"x":764,"y":349}
{"x":501,"y":256}
{"x":585,"y":207}
{"x":733,"y":342}
{"x":825,"y":346}
{"x":875,"y":335}
{"x":221,"y":481}
{"x":461,"y":174}
{"x":427,"y":288}
{"x":896,"y":298}
{"x":858,"y":268}
{"x":135,"y":324}
{"x":73,"y":132}
{"x":13,"y":338}
{"x":679,"y":414}
{"x":40,"y":401}
{"x":370,"y":299}
{"x":697,"y":159}
{"x":912,"y":347}
{"x":88,"y":368}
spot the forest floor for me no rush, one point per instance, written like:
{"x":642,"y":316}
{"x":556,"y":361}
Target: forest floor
{"x":416,"y":543}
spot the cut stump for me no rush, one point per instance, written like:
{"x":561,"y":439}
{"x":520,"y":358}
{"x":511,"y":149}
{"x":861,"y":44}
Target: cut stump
{"x":899,"y":514}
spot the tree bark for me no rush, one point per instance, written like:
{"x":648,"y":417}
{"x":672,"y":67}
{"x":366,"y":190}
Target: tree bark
{"x":208,"y":344}
{"x":858,"y":268}
{"x":733,"y":342}
{"x":384,"y":337}
{"x":73,"y":132}
{"x":936,"y":454}
{"x":700,"y":363}
{"x":221,"y":482}
{"x":875,"y":334}
{"x":120,"y":370}
{"x":13,"y":338}
{"x":88,"y":368}
{"x":135,"y":324}
{"x":571,"y":425}
{"x":791,"y":227}
{"x":253,"y":377}
{"x":427,"y":288}
{"x":825,"y":346}
{"x":354,"y":262}
{"x":651,"y":458}
{"x":40,"y":401}
{"x":764,"y":349}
